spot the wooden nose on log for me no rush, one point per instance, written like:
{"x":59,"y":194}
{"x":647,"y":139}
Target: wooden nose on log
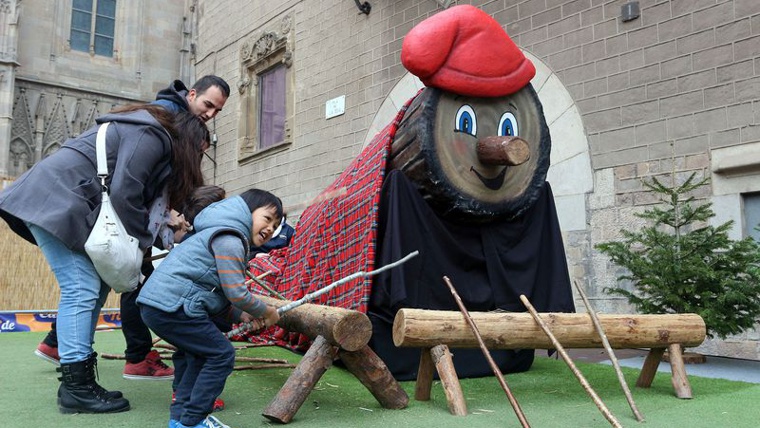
{"x":493,"y":150}
{"x":345,"y":328}
{"x":517,"y":330}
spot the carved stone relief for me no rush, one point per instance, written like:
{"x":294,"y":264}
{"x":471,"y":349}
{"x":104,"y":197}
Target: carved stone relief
{"x":265,"y":49}
{"x":42,"y":122}
{"x":22,"y":137}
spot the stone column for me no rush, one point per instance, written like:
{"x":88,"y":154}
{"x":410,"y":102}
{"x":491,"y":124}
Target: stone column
{"x":9,"y":13}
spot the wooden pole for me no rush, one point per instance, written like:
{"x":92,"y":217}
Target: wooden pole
{"x":598,"y":401}
{"x":282,"y":309}
{"x":425,"y":328}
{"x":372,"y":372}
{"x":262,"y":284}
{"x":444,"y":365}
{"x":302,"y":380}
{"x":487,"y":354}
{"x":610,"y":352}
{"x":263,"y":366}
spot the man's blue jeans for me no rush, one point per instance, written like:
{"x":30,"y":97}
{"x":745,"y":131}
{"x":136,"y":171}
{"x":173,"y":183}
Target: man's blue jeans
{"x":82,"y":295}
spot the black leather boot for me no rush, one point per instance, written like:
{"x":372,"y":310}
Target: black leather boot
{"x":103,"y":391}
{"x":80,"y":393}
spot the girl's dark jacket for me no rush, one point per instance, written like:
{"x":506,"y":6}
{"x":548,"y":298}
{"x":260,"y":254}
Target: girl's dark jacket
{"x":62,"y":192}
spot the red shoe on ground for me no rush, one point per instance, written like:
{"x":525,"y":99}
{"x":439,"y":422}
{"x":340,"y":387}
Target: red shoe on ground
{"x":48,"y":353}
{"x":151,"y":368}
{"x":218,"y":403}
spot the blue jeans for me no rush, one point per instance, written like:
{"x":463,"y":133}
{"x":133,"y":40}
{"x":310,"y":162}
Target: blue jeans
{"x":82,"y":295}
{"x":204,"y":359}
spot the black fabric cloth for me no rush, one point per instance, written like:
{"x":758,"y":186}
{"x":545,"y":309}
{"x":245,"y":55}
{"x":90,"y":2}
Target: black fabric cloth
{"x":490,"y":265}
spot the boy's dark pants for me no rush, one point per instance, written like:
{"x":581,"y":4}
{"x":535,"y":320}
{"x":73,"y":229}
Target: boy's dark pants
{"x":204,"y":359}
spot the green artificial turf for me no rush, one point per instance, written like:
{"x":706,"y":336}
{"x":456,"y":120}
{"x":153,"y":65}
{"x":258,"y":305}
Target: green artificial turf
{"x":549,"y":395}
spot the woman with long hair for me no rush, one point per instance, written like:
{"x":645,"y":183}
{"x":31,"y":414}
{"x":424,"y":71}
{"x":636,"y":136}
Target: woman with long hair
{"x":154,"y":157}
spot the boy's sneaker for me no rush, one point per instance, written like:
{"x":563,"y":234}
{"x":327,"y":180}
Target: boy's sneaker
{"x":209,"y":422}
{"x":48,"y":353}
{"x":151,"y":368}
{"x":218,"y":405}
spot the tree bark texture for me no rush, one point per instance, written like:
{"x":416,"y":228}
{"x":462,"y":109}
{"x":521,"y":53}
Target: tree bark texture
{"x":345,"y":328}
{"x":517,"y":330}
{"x":374,"y":374}
{"x":301,"y":382}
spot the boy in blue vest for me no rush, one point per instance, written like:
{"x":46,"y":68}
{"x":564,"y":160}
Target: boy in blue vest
{"x":201,"y":278}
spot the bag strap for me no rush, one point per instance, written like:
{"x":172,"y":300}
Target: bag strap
{"x":100,"y":150}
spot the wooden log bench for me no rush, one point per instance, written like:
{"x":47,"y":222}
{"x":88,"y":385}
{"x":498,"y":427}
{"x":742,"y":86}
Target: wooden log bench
{"x":436,"y":331}
{"x":335,"y":332}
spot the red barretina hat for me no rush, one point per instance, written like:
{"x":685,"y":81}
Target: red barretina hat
{"x":465,"y":51}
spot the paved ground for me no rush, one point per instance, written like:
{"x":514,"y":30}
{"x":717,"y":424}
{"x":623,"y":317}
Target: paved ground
{"x":715,"y":367}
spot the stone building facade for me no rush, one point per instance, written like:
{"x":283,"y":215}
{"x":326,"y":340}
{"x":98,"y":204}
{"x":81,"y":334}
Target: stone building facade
{"x":50,"y":91}
{"x":670,"y":91}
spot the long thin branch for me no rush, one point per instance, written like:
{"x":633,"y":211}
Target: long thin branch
{"x":610,"y":352}
{"x":487,"y":354}
{"x":558,"y":346}
{"x":292,"y":305}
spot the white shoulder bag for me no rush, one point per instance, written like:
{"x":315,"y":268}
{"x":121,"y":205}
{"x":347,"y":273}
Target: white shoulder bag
{"x":115,"y":255}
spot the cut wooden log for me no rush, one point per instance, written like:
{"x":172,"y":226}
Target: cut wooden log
{"x":301,"y":382}
{"x":422,"y":328}
{"x":374,"y":374}
{"x":424,"y":384}
{"x":345,"y":328}
{"x":444,"y":364}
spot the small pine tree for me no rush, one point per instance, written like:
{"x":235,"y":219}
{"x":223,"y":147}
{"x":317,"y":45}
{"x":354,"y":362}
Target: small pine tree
{"x":678,"y":266}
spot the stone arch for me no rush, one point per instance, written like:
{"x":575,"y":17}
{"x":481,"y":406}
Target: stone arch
{"x":570,"y":173}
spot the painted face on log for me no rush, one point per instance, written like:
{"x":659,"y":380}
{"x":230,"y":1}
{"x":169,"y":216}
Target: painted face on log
{"x":475,"y":158}
{"x":503,"y":166}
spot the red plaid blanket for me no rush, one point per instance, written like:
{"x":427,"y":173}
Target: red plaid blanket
{"x":334,"y":239}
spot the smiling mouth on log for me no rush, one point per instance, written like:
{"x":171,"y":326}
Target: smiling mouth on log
{"x":491,"y":183}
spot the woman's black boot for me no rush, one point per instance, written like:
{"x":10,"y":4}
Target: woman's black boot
{"x":80,"y":393}
{"x":105,"y":392}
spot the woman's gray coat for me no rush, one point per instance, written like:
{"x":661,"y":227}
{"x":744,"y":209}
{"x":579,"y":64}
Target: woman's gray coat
{"x":62,"y":192}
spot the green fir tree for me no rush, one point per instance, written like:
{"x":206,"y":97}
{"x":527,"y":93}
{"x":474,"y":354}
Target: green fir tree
{"x":678,"y":265}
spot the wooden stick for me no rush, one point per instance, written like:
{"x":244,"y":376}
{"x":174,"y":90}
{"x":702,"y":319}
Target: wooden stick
{"x":165,"y":346}
{"x":261,"y":360}
{"x":264,"y":366}
{"x":360,"y":274}
{"x":244,"y":327}
{"x":610,"y":352}
{"x":487,"y":354}
{"x":156,"y":257}
{"x":262,"y":284}
{"x":598,"y":401}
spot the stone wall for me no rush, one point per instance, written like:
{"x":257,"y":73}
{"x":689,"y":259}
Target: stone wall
{"x":657,"y":96}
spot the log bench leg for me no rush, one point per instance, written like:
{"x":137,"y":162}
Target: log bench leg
{"x":424,"y":376}
{"x":374,"y":374}
{"x":678,"y":371}
{"x":444,"y":364}
{"x":679,"y":379}
{"x":301,"y":382}
{"x":649,"y":369}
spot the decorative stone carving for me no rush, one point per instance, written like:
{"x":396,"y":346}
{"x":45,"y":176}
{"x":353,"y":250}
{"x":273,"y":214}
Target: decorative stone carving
{"x":56,"y":130}
{"x":265,"y":49}
{"x":257,"y":52}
